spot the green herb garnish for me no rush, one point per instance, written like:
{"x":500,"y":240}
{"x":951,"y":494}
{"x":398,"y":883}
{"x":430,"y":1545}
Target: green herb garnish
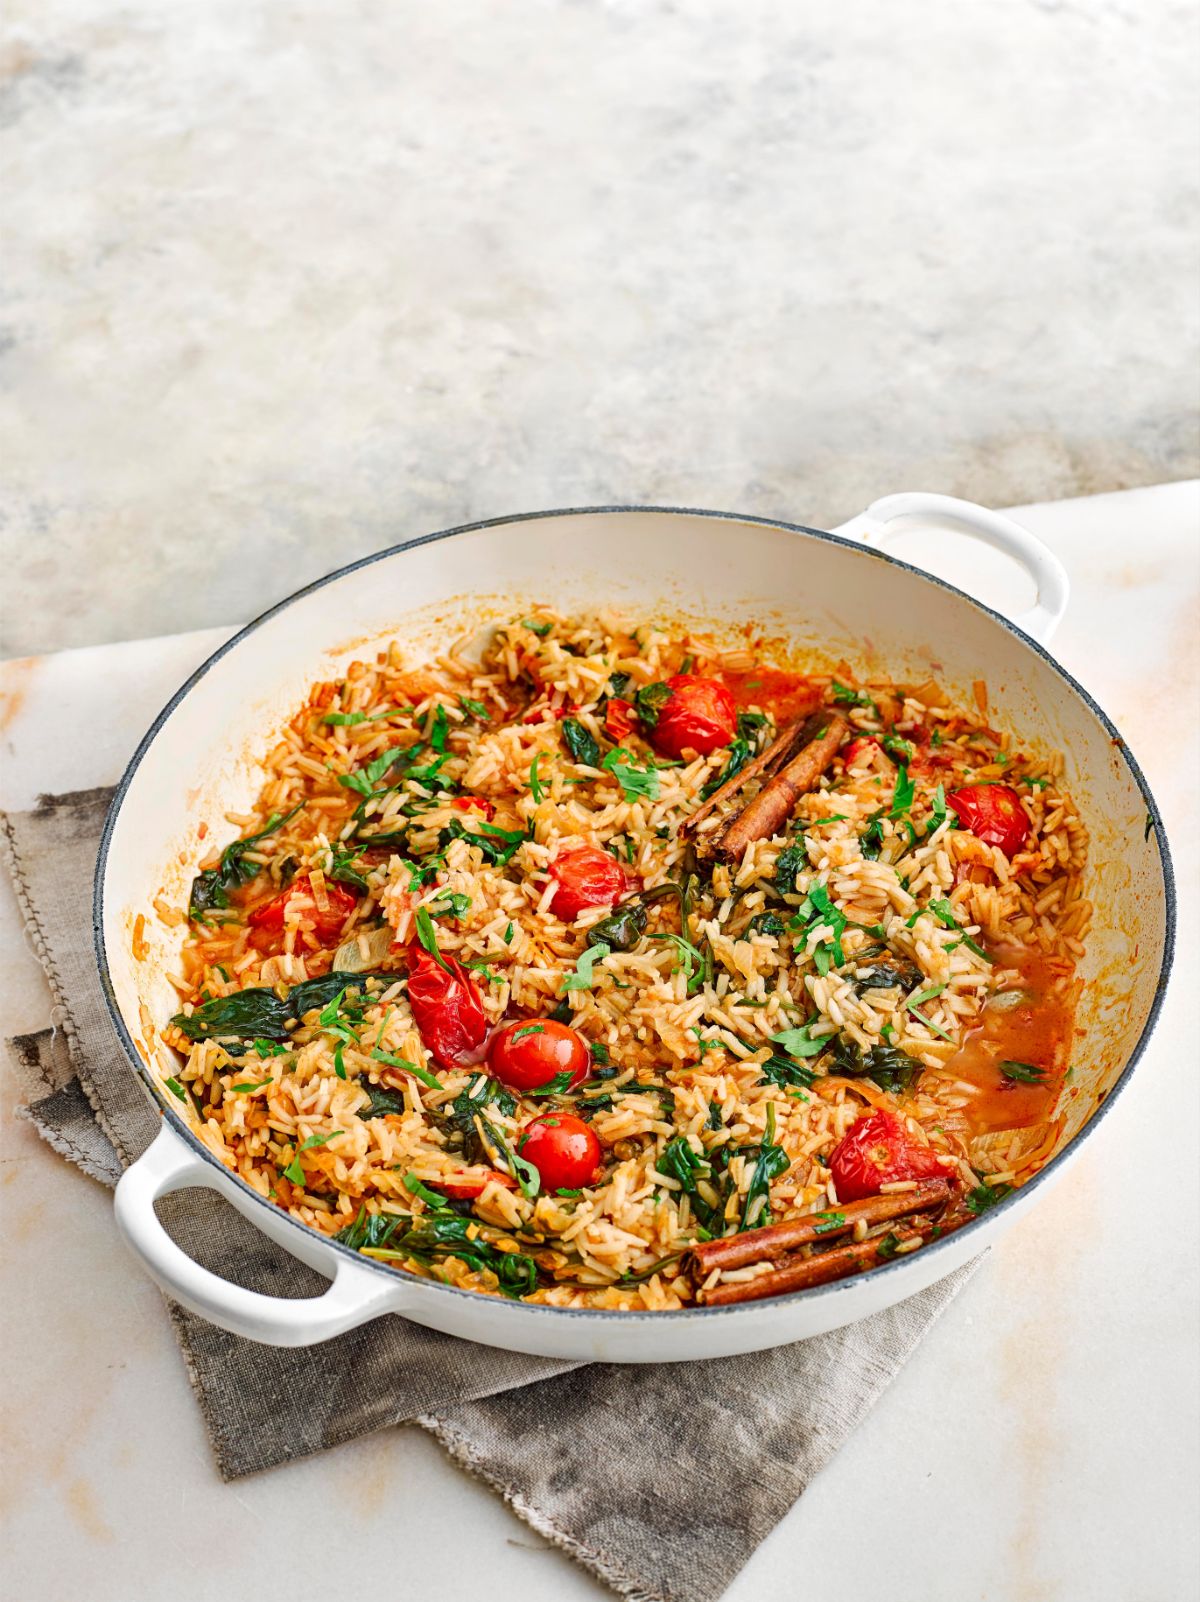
{"x":1022,"y":1073}
{"x":581,"y":976}
{"x":581,"y":743}
{"x":210,"y":889}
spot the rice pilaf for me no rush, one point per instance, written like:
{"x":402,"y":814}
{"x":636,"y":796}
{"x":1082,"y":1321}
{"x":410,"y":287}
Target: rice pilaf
{"x":873,"y":956}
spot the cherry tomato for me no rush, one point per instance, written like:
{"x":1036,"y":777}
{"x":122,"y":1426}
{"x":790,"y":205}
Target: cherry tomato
{"x":529,"y":1053}
{"x":698,"y":715}
{"x":474,"y":803}
{"x":298,"y":898}
{"x":563,"y":1149}
{"x":993,"y":813}
{"x":466,"y":1187}
{"x":587,"y":877}
{"x":857,"y":747}
{"x":618,"y":719}
{"x":878,"y":1150}
{"x":446,"y":1008}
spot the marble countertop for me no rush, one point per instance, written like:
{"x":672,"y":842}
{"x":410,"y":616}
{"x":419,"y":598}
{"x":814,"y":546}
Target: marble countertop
{"x":284,"y":284}
{"x":1040,"y":1446}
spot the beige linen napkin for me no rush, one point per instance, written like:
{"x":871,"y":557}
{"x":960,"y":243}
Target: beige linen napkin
{"x":576,"y":1451}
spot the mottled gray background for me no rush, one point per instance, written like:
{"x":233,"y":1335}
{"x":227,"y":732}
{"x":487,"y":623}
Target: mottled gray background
{"x":285,"y":282}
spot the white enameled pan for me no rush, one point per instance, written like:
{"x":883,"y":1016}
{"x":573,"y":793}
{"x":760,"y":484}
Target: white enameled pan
{"x":837,"y":595}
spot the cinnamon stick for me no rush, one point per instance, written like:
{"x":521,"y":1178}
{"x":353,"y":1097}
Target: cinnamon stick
{"x":775,"y":802}
{"x":799,"y":1273}
{"x":781,"y":749}
{"x":774,"y":1242}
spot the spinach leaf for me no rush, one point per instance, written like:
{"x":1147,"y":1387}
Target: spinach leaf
{"x":581,"y":743}
{"x":459,"y":1116}
{"x":893,"y":1070}
{"x":623,"y":928}
{"x":382,"y":1102}
{"x":680,"y":1161}
{"x":786,"y":1072}
{"x":341,"y":868}
{"x":258,"y":1013}
{"x":497,"y":846}
{"x":772,"y":1162}
{"x":649,"y":701}
{"x":767,"y":923}
{"x":791,"y":860}
{"x":439,"y":729}
{"x":843,"y":695}
{"x":902,"y":794}
{"x":739,"y":755}
{"x":870,"y":841}
{"x":438,"y":1235}
{"x":1023,"y":1073}
{"x":369,"y":1229}
{"x":366,"y":781}
{"x":211,"y":888}
{"x":889,"y":976}
{"x":986,"y":1195}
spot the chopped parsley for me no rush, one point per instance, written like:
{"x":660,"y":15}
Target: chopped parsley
{"x":635,"y":781}
{"x":918,"y":1000}
{"x":581,"y":976}
{"x":294,"y":1172}
{"x":902,"y":795}
{"x":800,"y":1042}
{"x":985,"y":1195}
{"x":843,"y":695}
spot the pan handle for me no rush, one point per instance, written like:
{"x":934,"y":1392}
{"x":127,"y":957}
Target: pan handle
{"x":878,"y":523}
{"x":357,"y":1293}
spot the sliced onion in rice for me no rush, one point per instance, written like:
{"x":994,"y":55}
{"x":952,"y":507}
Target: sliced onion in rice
{"x":363,"y":951}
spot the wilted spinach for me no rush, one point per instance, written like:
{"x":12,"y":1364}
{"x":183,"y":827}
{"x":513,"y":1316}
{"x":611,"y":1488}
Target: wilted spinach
{"x":438,"y":1235}
{"x":649,"y":701}
{"x":258,"y":1013}
{"x":210,"y":889}
{"x":581,"y":743}
{"x":790,"y":861}
{"x":892,"y":1070}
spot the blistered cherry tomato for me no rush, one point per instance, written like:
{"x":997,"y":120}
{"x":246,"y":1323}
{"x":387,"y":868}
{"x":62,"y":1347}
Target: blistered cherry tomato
{"x":993,"y":813}
{"x":563,"y":1149}
{"x":298,"y":899}
{"x":446,"y":1008}
{"x":467,"y":1187}
{"x":618,"y":718}
{"x":878,"y":1150}
{"x":586,"y":877}
{"x":698,"y":715}
{"x":474,"y":803}
{"x":531,"y":1052}
{"x":857,"y":747}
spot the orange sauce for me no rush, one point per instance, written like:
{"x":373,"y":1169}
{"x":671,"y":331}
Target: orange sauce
{"x":1035,"y":1029}
{"x":783,"y":695}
